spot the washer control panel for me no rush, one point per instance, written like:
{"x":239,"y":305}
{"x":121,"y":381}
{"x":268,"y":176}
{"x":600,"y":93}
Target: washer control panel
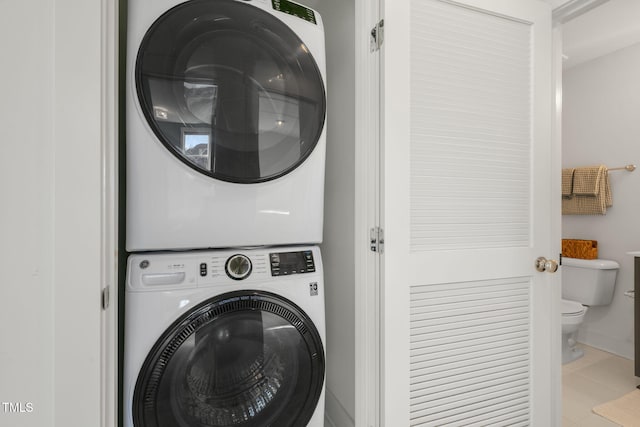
{"x":288,"y":263}
{"x":194,"y":269}
{"x":238,"y":267}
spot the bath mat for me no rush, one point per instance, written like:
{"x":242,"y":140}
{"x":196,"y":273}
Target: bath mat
{"x":624,"y":411}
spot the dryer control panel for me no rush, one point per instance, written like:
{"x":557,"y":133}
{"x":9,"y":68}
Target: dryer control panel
{"x":288,"y":263}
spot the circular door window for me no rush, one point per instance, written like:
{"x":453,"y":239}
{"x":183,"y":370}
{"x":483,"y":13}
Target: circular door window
{"x":245,"y":358}
{"x":230,"y":90}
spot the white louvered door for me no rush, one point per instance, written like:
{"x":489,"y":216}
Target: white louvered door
{"x":466,"y":210}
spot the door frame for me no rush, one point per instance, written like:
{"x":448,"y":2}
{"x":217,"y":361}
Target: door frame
{"x":109,"y":153}
{"x":562,"y":14}
{"x":556,"y":220}
{"x":367,"y":190}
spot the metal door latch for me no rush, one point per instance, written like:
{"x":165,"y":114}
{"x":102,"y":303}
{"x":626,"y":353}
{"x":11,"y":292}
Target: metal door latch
{"x":376,"y":239}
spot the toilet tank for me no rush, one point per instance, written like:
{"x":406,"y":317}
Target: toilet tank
{"x":589,"y":281}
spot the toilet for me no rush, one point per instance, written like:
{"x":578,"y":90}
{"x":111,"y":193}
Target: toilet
{"x":585,"y":283}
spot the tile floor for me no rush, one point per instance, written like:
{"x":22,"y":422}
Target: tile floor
{"x":596,"y":378}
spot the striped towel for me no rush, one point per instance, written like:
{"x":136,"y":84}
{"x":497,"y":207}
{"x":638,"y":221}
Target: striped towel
{"x":591,"y":192}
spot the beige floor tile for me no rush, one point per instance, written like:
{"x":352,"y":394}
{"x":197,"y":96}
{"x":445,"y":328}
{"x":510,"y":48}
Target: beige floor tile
{"x":594,"y":420}
{"x":614,"y":372}
{"x":580,"y":394}
{"x":566,"y":422}
{"x":591,"y":356}
{"x":596,"y":378}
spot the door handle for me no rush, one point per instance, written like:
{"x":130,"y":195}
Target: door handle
{"x":548,"y":265}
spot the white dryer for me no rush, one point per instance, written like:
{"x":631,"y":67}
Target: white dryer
{"x":225,"y":124}
{"x":225,"y":338}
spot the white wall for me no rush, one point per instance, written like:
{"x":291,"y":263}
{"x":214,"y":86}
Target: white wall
{"x":51,"y":188}
{"x":338,"y":249}
{"x":556,"y":3}
{"x":601,"y":124}
{"x":27,"y":221}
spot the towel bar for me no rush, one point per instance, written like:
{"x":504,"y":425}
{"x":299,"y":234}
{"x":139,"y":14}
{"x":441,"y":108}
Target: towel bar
{"x":629,"y":168}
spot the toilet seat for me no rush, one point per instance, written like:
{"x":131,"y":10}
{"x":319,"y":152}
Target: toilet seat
{"x":572,"y":308}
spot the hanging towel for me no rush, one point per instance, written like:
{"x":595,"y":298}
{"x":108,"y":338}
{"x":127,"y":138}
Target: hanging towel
{"x":586,"y":181}
{"x":567,"y":182}
{"x":591,"y":192}
{"x":607,"y":189}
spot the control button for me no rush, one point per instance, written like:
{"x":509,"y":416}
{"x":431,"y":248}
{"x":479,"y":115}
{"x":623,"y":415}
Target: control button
{"x":238,"y":267}
{"x":203,"y":269}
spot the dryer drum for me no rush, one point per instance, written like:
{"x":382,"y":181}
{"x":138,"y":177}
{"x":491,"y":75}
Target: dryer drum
{"x":230,"y":90}
{"x":247,"y":358}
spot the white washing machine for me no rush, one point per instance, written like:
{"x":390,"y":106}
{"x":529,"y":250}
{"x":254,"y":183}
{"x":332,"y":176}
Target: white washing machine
{"x":225,"y":338}
{"x":225,"y":124}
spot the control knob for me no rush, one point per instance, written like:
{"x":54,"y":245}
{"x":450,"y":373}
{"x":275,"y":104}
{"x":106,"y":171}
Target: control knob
{"x":238,"y":267}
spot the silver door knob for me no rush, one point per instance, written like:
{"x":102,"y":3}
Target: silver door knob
{"x":548,"y":265}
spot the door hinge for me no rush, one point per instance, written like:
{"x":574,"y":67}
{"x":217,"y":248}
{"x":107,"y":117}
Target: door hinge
{"x":376,"y":240}
{"x":377,"y":36}
{"x":105,"y":298}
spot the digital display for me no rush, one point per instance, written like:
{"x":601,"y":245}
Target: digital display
{"x":291,"y":260}
{"x":294,"y":9}
{"x":286,"y":263}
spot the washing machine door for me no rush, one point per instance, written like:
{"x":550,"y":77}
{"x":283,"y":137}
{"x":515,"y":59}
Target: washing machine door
{"x":244,"y":358}
{"x":230,"y":90}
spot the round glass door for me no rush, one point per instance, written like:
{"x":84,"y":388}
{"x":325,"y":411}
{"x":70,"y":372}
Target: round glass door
{"x":244,"y":358}
{"x":230,"y":90}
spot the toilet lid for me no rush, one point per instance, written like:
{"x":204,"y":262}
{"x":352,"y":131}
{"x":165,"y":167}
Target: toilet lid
{"x":571,"y":307}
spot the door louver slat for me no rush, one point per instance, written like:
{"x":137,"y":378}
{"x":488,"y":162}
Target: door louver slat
{"x":473,"y":367}
{"x":470,"y":128}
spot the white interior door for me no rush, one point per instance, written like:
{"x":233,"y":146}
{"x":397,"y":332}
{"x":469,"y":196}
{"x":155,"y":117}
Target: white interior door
{"x":467,"y":325}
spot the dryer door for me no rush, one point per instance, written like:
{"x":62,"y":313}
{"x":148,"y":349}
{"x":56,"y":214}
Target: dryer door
{"x":244,"y":358}
{"x":230,"y":90}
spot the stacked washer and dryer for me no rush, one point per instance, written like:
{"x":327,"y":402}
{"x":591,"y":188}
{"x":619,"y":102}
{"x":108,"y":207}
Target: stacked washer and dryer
{"x":224,"y":295}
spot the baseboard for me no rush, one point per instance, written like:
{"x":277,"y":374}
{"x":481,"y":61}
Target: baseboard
{"x":606,"y":343}
{"x":334,"y":413}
